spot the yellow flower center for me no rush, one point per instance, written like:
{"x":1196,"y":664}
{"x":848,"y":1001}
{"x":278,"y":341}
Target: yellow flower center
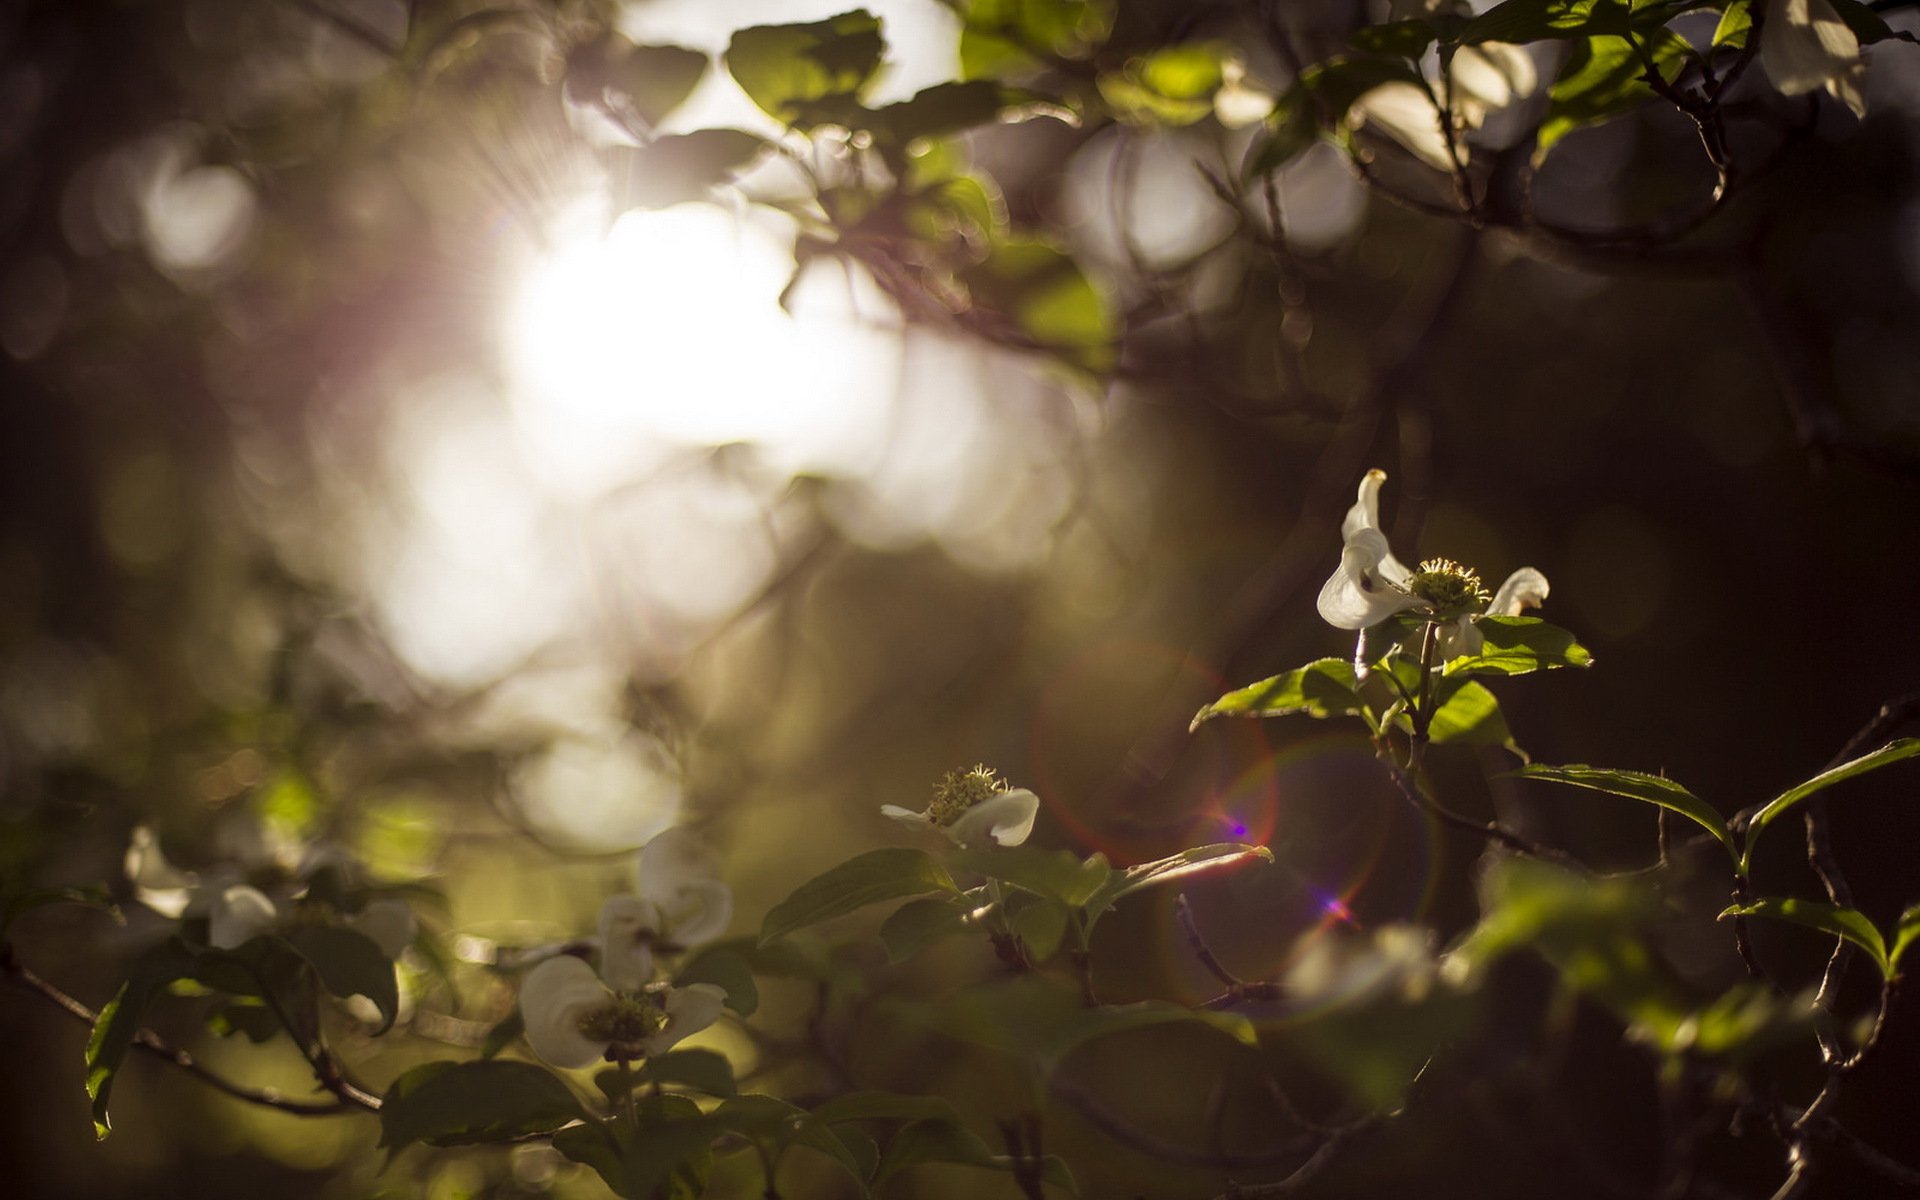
{"x":959,"y":791}
{"x":625,"y":1023}
{"x":1452,"y":590}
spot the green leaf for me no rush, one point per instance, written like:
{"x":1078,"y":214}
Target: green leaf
{"x":1735,"y":23}
{"x":447,"y":1103}
{"x":1604,"y":78}
{"x":1520,"y":646}
{"x":944,"y":109}
{"x":869,"y":1106}
{"x":1106,"y":1020}
{"x":788,"y":70}
{"x":918,"y":922}
{"x":647,"y":81}
{"x":1638,"y":786}
{"x":1053,"y":873}
{"x":729,"y":971}
{"x":25,"y":902}
{"x":948,"y":1141}
{"x":677,"y":168}
{"x":247,"y":1015}
{"x":1467,"y":713}
{"x":1892,"y":752}
{"x":1522,"y":21}
{"x":349,"y":964}
{"x":1042,"y":291}
{"x":1323,"y":688}
{"x":1407,"y":39}
{"x":1010,"y":37}
{"x":1189,"y":862}
{"x":1172,"y":86}
{"x":1904,"y":934}
{"x":778,"y":1124}
{"x":702,"y":1070}
{"x":502,"y":1035}
{"x":114,"y":1029}
{"x":862,"y":880}
{"x":1848,"y":923}
{"x":1041,"y":925}
{"x":670,"y":1146}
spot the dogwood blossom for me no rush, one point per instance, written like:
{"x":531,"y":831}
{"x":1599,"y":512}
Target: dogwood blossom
{"x":974,"y":807}
{"x":1370,"y":584}
{"x":1805,"y":45}
{"x":574,"y":1017}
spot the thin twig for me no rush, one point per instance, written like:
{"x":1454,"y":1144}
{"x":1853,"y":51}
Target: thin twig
{"x":151,"y":1043}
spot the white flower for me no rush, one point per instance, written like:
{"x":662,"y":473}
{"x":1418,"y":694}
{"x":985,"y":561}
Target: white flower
{"x":1482,"y":78}
{"x":1370,"y":584}
{"x":573,"y":1019}
{"x":1805,"y":45}
{"x":1524,"y":589}
{"x":679,"y":876}
{"x":238,"y":915}
{"x":973,"y":807}
{"x":680,"y":904}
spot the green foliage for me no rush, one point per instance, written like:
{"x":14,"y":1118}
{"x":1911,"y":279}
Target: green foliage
{"x":918,"y":922}
{"x":729,"y":970}
{"x":119,"y":1021}
{"x":1607,"y":77}
{"x":349,"y":964}
{"x":668,"y":1149}
{"x":450,"y":1103}
{"x":1323,"y":688}
{"x":1653,"y":789}
{"x":1171,"y":86}
{"x":646,"y":82}
{"x":1520,"y":646}
{"x":1904,"y":934}
{"x":939,"y":1141}
{"x":1184,"y":865}
{"x":679,"y":167}
{"x":1892,"y":752}
{"x":807,"y":74}
{"x":869,"y":878}
{"x":702,"y":1070}
{"x":1318,"y":101}
{"x":1008,"y":38}
{"x":20,"y":903}
{"x":1847,"y":923}
{"x":1045,"y":295}
{"x":1055,"y":874}
{"x":1467,"y":713}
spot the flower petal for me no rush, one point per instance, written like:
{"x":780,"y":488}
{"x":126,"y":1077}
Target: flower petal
{"x":1005,"y":817}
{"x":1493,"y":73}
{"x":1407,"y":115}
{"x":1365,"y":513}
{"x":628,"y":926}
{"x":238,"y":915}
{"x":680,"y":875}
{"x":1524,"y":589}
{"x":1362,"y":591}
{"x":159,"y":884}
{"x":555,"y":998}
{"x":905,"y":816}
{"x":1805,"y":45}
{"x":689,"y":1010}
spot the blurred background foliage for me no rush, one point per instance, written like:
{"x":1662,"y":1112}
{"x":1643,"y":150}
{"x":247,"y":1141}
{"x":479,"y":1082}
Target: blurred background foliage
{"x":349,"y":496}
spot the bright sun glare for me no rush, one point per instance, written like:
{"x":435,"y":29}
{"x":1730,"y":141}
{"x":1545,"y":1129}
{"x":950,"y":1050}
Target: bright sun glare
{"x":667,"y":331}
